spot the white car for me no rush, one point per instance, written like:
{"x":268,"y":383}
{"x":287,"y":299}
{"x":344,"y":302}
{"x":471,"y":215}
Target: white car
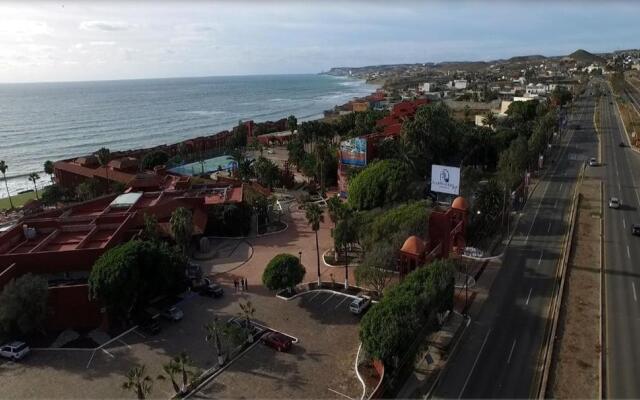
{"x":593,"y":162}
{"x":359,"y":304}
{"x":173,"y":314}
{"x":614,"y":202}
{"x":14,"y":350}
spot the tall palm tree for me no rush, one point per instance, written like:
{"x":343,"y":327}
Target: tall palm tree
{"x":490,"y":119}
{"x":335,"y":207}
{"x":321,"y":150}
{"x":314,"y":217}
{"x":247,"y":312}
{"x":179,"y":365}
{"x":214,"y":331}
{"x":48,"y":169}
{"x":138,"y":382}
{"x":104,"y":156}
{"x":33,"y":177}
{"x":182,"y":227}
{"x":3,"y":169}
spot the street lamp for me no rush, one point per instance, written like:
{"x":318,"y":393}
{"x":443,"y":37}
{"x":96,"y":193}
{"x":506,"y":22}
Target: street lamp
{"x":300,"y":256}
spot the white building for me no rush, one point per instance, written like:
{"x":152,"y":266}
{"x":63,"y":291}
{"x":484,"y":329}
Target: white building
{"x":426,"y":87}
{"x":458,"y":84}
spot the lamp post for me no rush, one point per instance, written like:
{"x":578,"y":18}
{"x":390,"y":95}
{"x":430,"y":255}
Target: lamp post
{"x":300,"y":256}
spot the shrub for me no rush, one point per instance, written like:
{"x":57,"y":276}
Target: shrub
{"x":23,"y":305}
{"x":284,"y":271}
{"x":381,"y":183}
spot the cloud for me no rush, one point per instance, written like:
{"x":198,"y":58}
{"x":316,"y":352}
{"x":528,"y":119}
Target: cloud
{"x":108,"y":26}
{"x":102,"y":43}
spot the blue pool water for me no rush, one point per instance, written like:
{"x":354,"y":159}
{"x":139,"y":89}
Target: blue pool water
{"x":208,"y":166}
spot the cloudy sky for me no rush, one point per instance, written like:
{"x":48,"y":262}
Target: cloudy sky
{"x":71,"y":41}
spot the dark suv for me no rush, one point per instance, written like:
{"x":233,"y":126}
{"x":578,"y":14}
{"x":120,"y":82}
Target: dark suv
{"x":635,"y":229}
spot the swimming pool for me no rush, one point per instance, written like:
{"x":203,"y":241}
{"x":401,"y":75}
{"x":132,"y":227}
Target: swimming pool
{"x":210,"y":165}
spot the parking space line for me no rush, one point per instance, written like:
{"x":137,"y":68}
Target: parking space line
{"x":342,"y":301}
{"x":327,"y":299}
{"x":139,"y":334}
{"x":316,"y":295}
{"x":124,"y":343}
{"x":107,"y":353}
{"x":341,"y":394}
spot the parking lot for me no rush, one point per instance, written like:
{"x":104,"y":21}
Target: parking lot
{"x":321,"y":365}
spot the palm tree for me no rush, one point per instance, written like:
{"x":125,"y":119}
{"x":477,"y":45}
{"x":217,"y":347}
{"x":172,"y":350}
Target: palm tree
{"x":33,"y":177}
{"x":48,"y":169}
{"x":3,"y":169}
{"x":138,"y":382}
{"x":335,"y":207}
{"x":214,"y":331}
{"x":490,"y":119}
{"x":314,"y":217}
{"x":321,"y":150}
{"x":104,"y":156}
{"x":182,"y":227}
{"x":179,"y":365}
{"x":247,"y":312}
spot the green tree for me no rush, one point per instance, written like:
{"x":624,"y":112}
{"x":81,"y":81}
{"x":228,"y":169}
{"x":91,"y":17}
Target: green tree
{"x":487,"y":208}
{"x":292,"y":123}
{"x":138,"y":382}
{"x":513,"y":162}
{"x":34,"y":177}
{"x":180,"y":365}
{"x":48,"y":169}
{"x":284,"y":271}
{"x":23,"y":305}
{"x":376,"y":269}
{"x":128,"y":276}
{"x":104,"y":156}
{"x":561,"y":95}
{"x":336,"y":207}
{"x":247,"y":312}
{"x":216,"y":331}
{"x":52,"y":194}
{"x":267,"y":172}
{"x":467,"y":114}
{"x":154,"y":158}
{"x":344,"y":234}
{"x":182,"y":227}
{"x":315,"y":216}
{"x":490,"y":119}
{"x":150,"y":230}
{"x":87,"y":190}
{"x":3,"y":169}
{"x":379,"y":184}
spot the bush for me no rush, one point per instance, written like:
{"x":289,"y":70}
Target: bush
{"x":379,"y":184}
{"x":154,"y":159}
{"x":395,"y":225}
{"x":23,"y":305}
{"x":284,"y":271}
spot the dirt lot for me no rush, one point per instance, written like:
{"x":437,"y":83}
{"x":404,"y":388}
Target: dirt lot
{"x":575,"y":372}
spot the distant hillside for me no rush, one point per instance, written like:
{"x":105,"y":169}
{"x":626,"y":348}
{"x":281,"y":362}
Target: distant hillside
{"x":583,"y":56}
{"x":535,"y":57}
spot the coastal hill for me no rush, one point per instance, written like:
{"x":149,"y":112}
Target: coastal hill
{"x":583,"y":56}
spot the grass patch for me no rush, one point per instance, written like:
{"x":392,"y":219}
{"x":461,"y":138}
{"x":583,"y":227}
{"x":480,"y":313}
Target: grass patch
{"x":18,"y":200}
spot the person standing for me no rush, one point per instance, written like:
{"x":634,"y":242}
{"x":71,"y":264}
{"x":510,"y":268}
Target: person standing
{"x":246,"y":284}
{"x":235,"y":284}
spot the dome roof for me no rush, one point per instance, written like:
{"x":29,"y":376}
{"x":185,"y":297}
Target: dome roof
{"x":413,"y":245}
{"x":460,"y":204}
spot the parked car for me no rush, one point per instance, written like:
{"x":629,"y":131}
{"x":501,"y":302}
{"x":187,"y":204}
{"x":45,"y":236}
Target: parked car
{"x":14,"y":350}
{"x":614,"y":202}
{"x":212,"y":289}
{"x":359,"y":304}
{"x":173,"y":314}
{"x":621,"y":144}
{"x":635,"y":229}
{"x":193,"y":271}
{"x":593,"y":162}
{"x":277,"y":341}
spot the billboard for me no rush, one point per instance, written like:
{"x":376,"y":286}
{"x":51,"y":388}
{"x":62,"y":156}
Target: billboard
{"x":445,"y":179}
{"x":354,"y":152}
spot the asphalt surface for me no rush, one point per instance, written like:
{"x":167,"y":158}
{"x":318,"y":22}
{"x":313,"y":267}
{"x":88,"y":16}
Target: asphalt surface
{"x":622,"y":257}
{"x":500,"y":354}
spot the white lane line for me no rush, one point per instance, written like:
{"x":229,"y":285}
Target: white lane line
{"x":556,"y":204}
{"x":561,"y":185}
{"x":124,"y":343}
{"x":540,"y":259}
{"x":549,"y":228}
{"x":513,"y":346}
{"x":528,"y":297}
{"x":316,"y":295}
{"x":345,"y":297}
{"x":619,"y":187}
{"x":633,"y":286}
{"x":107,"y":353}
{"x":327,"y":299}
{"x":628,"y":252}
{"x":473,"y":367}
{"x":624,"y":223}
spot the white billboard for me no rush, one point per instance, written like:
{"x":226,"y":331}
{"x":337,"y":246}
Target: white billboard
{"x":445,"y":179}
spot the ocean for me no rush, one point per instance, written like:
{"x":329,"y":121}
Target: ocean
{"x":54,"y":121}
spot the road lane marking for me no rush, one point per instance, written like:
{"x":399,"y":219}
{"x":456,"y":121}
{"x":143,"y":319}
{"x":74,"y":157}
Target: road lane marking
{"x":549,"y":228}
{"x":617,"y":173}
{"x":556,"y":204}
{"x":633,"y":286}
{"x":513,"y":346}
{"x":327,"y":299}
{"x":619,"y":187}
{"x":628,"y":252}
{"x":561,"y":185}
{"x":528,"y":297}
{"x":624,"y":223}
{"x":474,"y":364}
{"x":316,"y":295}
{"x":540,"y":259}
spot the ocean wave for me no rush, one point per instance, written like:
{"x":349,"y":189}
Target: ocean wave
{"x":205,"y":113}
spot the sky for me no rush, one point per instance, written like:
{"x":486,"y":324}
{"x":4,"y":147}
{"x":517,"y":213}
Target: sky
{"x":77,"y":41}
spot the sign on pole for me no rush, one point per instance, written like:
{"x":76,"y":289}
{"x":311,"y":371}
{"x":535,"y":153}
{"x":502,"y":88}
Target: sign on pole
{"x":445,"y":179}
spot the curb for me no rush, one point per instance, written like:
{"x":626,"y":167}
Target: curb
{"x":364,"y":386}
{"x":624,"y":127}
{"x":295,"y":296}
{"x":335,"y":266}
{"x":239,"y":265}
{"x":603,"y":325}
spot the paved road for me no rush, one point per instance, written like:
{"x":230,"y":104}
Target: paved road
{"x":499,"y":355}
{"x":622,"y":257}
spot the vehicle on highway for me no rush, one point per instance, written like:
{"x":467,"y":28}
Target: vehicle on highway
{"x":635,"y":229}
{"x":621,"y":144}
{"x":277,"y":341}
{"x":14,"y":350}
{"x":173,"y":314}
{"x":614,"y":202}
{"x":359,"y":304}
{"x":593,"y":162}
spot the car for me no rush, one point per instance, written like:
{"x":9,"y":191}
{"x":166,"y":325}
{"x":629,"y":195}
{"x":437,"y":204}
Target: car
{"x":212,"y":289}
{"x":15,"y":350}
{"x":621,"y":144}
{"x":635,"y":229}
{"x":173,"y":314}
{"x":593,"y":162}
{"x":277,"y":340}
{"x":611,"y":102}
{"x":193,"y":271}
{"x":359,"y":304}
{"x":576,"y":126}
{"x":614,"y":202}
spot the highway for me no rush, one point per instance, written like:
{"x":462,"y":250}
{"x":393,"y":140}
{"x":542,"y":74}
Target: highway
{"x":622,"y":256}
{"x":500,"y":354}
